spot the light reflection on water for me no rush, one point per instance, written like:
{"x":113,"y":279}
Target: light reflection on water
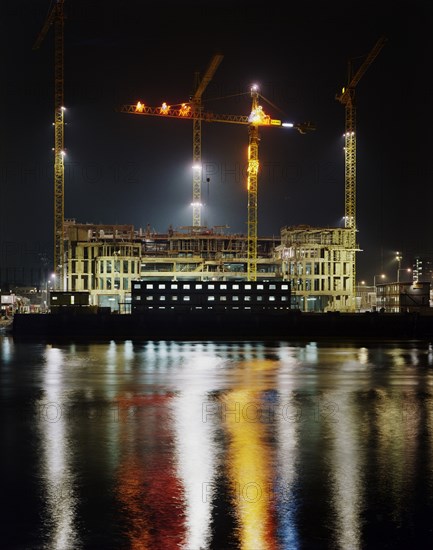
{"x":183,"y":445}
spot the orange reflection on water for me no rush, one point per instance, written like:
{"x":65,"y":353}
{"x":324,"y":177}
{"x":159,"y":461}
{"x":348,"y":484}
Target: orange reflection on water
{"x":248,"y":470}
{"x":149,"y":490}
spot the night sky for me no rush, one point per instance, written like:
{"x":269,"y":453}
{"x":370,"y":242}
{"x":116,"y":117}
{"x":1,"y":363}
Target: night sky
{"x":127,"y":169}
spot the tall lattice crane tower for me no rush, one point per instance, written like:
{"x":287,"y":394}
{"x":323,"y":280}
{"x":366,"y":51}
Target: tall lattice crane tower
{"x":56,"y":17}
{"x":200,"y":86}
{"x":347,"y":98}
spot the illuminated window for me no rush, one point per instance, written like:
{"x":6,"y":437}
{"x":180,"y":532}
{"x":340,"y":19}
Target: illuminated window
{"x":223,"y":287}
{"x":211,"y":287}
{"x":223,"y":298}
{"x":174,"y":298}
{"x":162,"y":298}
{"x":149,"y":285}
{"x":173,"y":286}
{"x":137,"y":285}
{"x":198,"y":286}
{"x":186,"y":298}
{"x":259,"y":298}
{"x":259,"y":287}
{"x":211,"y":298}
{"x":161,"y":285}
{"x":272,"y":298}
{"x":186,"y":286}
{"x":247,"y":287}
{"x":235,"y":298}
{"x":272,"y":287}
{"x":248,"y":298}
{"x":235,"y":287}
{"x":284,"y":287}
{"x":149,"y":298}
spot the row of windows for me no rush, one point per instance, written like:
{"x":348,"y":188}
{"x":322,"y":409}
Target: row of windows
{"x":210,"y":286}
{"x":210,"y":298}
{"x":113,"y":284}
{"x":316,"y":268}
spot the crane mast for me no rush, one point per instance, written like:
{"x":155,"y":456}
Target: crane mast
{"x":347,"y":98}
{"x":56,"y":17}
{"x":252,"y":185}
{"x":200,"y":86}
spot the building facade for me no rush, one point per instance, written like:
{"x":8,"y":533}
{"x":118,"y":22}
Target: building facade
{"x":319,"y":264}
{"x":105,"y":259}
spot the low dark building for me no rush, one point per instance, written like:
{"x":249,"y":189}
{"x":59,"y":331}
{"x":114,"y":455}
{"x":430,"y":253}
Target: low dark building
{"x":218,"y":295}
{"x":62,"y":299}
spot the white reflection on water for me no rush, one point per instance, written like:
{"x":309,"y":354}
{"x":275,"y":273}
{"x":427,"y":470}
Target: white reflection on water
{"x":287,"y":459}
{"x":196,"y":448}
{"x":6,"y":347}
{"x":56,"y":460}
{"x":346,"y":464}
{"x":347,"y":457}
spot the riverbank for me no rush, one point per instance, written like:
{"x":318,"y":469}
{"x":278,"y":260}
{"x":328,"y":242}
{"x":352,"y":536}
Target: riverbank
{"x":232,"y":325}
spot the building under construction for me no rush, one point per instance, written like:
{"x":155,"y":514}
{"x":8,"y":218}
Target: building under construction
{"x":105,"y":260}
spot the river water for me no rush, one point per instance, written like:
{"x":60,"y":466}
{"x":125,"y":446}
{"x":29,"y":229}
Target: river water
{"x":216,"y":445}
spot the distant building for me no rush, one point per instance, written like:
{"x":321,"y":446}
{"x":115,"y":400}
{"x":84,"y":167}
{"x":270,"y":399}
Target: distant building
{"x":403,"y":297}
{"x":422,"y":270}
{"x":365,"y":298}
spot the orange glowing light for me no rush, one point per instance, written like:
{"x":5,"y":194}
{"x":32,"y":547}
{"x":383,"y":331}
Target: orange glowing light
{"x":185,"y":109}
{"x":164,"y":108}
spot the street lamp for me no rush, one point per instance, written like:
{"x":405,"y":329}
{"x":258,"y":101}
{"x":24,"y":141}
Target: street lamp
{"x":408,"y":270}
{"x":47,"y":288}
{"x":382,"y":276}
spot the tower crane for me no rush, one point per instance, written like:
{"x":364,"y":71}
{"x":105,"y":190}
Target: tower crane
{"x":200,"y":86}
{"x":254,"y":120}
{"x":56,"y":17}
{"x":347,"y":98}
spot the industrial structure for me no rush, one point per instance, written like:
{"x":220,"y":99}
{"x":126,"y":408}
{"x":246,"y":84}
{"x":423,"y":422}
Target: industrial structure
{"x":56,"y":17}
{"x":256,"y":118}
{"x":347,"y":98}
{"x":196,"y":104}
